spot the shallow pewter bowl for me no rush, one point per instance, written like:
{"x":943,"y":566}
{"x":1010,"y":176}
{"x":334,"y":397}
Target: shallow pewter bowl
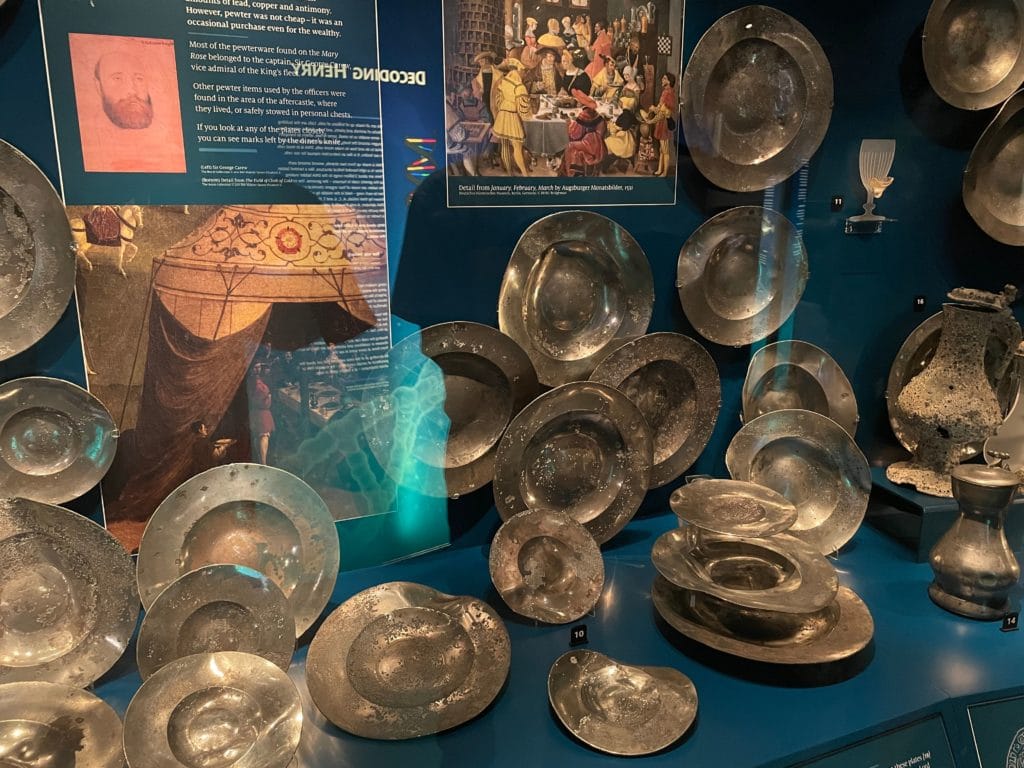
{"x":577,"y":285}
{"x":814,"y":463}
{"x":56,"y":439}
{"x":756,"y":99}
{"x":401,"y":660}
{"x":741,"y":275}
{"x":618,"y":708}
{"x":252,"y":515}
{"x":974,"y":50}
{"x":992,"y":180}
{"x":674,"y":382}
{"x":546,"y":566}
{"x":68,"y":604}
{"x":583,"y":449}
{"x":57,"y":726}
{"x":795,"y":374}
{"x":217,"y":608}
{"x":37,"y":254}
{"x":214,"y":709}
{"x":733,"y":508}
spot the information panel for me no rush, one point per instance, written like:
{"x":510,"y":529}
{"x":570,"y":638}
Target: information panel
{"x":923,"y":744}
{"x":997,"y":728}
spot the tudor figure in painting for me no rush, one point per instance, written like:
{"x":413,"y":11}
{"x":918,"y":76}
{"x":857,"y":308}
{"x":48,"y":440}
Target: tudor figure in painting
{"x":512,"y":105}
{"x":124,"y":90}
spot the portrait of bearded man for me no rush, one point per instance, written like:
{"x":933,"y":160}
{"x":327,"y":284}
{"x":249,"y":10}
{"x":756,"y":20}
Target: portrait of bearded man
{"x":124,"y":90}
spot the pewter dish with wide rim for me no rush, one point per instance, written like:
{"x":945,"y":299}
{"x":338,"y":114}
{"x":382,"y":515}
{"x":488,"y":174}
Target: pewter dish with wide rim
{"x":56,"y":439}
{"x":794,"y":374}
{"x":546,"y":566}
{"x":776,"y":573}
{"x":401,"y":660}
{"x":217,"y":608}
{"x":214,"y":709}
{"x":741,"y":275}
{"x":992,"y":185}
{"x":252,"y":515}
{"x":674,"y":382}
{"x":834,"y":633}
{"x":577,"y":285}
{"x":814,"y":463}
{"x":37,"y":254}
{"x":756,"y":99}
{"x":619,"y":708}
{"x":733,"y":508}
{"x":57,"y":726}
{"x":583,"y":449}
{"x":67,"y":588}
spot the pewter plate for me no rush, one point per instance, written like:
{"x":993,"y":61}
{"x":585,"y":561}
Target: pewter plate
{"x":619,"y":708}
{"x":401,"y":660}
{"x":214,"y":709}
{"x":733,"y":508}
{"x":795,"y":374}
{"x":992,"y":183}
{"x":674,"y":382}
{"x":69,"y":604}
{"x":248,"y":514}
{"x":577,"y":286}
{"x":57,"y":726}
{"x":832,"y":634}
{"x":56,"y":440}
{"x":974,"y":50}
{"x":217,"y":608}
{"x":777,"y":573}
{"x":37,"y":254}
{"x":741,"y":275}
{"x":546,"y":566}
{"x":583,"y":449}
{"x":814,"y":463}
{"x":756,"y":99}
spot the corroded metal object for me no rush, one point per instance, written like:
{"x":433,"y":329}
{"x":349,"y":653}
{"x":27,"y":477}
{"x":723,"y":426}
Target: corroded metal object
{"x":583,"y":449}
{"x":401,"y":660}
{"x":37,"y":254}
{"x":577,"y":286}
{"x":546,"y":566}
{"x":674,"y":382}
{"x":814,"y":463}
{"x":974,"y":50}
{"x":619,"y":708}
{"x":756,"y":99}
{"x":733,"y":508}
{"x":795,"y":374}
{"x":56,"y":439}
{"x":992,"y":187}
{"x":47,"y":724}
{"x":214,"y":709}
{"x":217,"y":608}
{"x":68,"y":595}
{"x":248,"y":514}
{"x":741,"y":275}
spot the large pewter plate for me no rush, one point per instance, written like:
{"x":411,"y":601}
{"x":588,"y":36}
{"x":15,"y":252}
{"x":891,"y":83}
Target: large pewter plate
{"x":56,"y":439}
{"x":67,"y":589}
{"x":674,"y":382}
{"x":733,"y":508}
{"x":214,"y":709}
{"x":619,"y":708}
{"x":37,"y":254}
{"x":401,"y":660}
{"x":814,"y":463}
{"x":757,"y":99}
{"x":248,"y":514}
{"x":974,"y":50}
{"x":57,"y":726}
{"x":577,"y":285}
{"x":583,"y":449}
{"x":993,"y":192}
{"x":741,"y":275}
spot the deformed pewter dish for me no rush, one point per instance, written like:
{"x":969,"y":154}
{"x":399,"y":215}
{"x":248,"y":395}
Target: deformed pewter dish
{"x":583,"y":449}
{"x":56,"y":439}
{"x":546,"y":566}
{"x":992,"y":185}
{"x":401,"y":660}
{"x":674,"y":382}
{"x":619,"y":708}
{"x":733,"y":508}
